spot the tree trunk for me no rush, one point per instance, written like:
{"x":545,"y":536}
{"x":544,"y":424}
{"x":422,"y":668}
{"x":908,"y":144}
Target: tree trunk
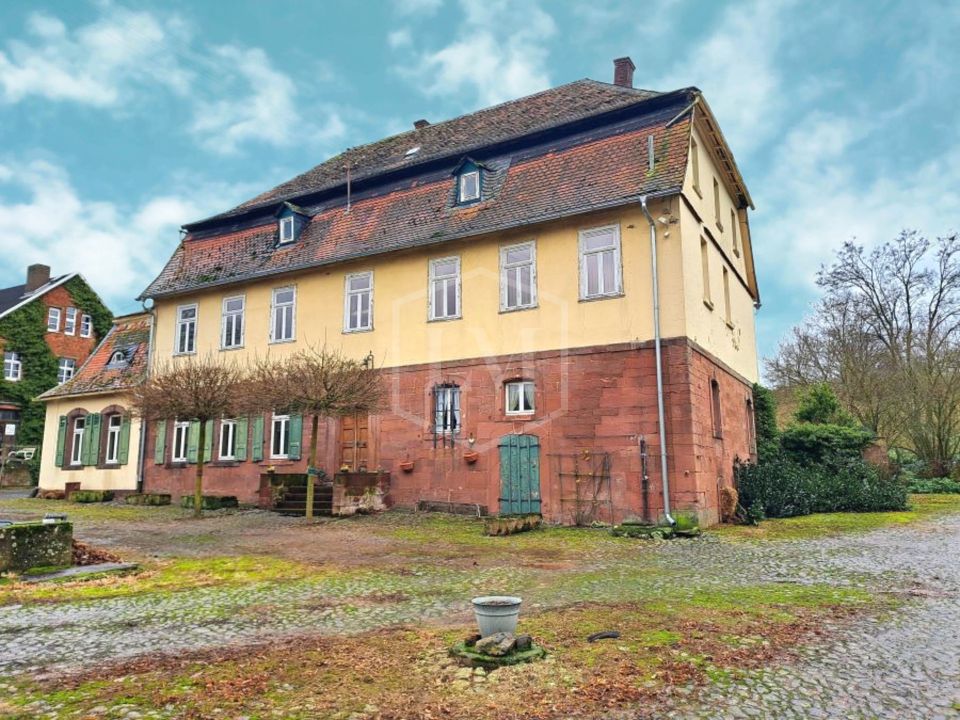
{"x":312,"y":463}
{"x":198,"y":487}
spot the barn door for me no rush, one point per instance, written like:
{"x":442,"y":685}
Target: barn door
{"x":519,"y":474}
{"x":354,"y":439}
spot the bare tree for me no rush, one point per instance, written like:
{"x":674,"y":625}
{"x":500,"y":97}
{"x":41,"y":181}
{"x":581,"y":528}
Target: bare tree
{"x":192,"y":388}
{"x":318,"y":382}
{"x":885,"y":337}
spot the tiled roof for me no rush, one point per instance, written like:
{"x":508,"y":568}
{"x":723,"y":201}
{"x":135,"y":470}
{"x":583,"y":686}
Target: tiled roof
{"x":131,"y":336}
{"x":602,"y":167}
{"x":12,"y":296}
{"x":543,"y":110}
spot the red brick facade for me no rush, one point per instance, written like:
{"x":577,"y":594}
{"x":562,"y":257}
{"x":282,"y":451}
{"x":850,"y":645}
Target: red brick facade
{"x":591,"y":404}
{"x":63,"y":345}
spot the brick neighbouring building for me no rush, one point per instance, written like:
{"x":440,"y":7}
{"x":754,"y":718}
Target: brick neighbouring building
{"x":553,"y":171}
{"x":43,"y":323}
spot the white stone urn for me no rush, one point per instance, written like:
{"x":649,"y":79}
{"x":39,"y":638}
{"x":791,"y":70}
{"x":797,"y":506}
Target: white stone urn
{"x":497,"y":613}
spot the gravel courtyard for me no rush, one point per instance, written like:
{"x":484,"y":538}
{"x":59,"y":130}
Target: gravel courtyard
{"x":899,"y":661}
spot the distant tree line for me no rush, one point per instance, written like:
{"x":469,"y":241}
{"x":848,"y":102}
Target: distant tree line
{"x":885,"y":337}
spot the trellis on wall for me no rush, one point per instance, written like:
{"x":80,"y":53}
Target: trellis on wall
{"x":586,"y":495}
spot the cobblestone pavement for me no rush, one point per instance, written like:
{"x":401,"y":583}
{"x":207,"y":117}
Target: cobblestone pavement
{"x":906,"y":665}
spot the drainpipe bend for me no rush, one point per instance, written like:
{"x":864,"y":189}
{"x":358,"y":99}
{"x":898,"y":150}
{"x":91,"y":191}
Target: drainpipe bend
{"x":656,"y":349}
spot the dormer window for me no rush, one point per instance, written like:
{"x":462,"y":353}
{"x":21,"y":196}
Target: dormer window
{"x":119,"y":357}
{"x":469,"y":186}
{"x":287,"y":230}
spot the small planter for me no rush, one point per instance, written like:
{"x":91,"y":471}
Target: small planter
{"x":407,"y":466}
{"x":496,"y":613}
{"x":471,"y":456}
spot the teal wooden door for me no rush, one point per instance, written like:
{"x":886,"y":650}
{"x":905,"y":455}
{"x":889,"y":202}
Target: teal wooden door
{"x":519,"y":474}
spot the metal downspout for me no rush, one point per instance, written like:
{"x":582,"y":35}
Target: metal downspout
{"x":656,"y":348}
{"x":143,"y":421}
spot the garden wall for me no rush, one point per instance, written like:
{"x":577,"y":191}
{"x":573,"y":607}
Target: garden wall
{"x":31,"y":545}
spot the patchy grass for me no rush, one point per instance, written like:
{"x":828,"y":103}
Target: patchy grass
{"x":31,"y":508}
{"x":922,"y":507}
{"x":163,"y":576}
{"x":712,"y":635}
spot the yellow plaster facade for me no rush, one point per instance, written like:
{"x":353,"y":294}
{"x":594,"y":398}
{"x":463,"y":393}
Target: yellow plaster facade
{"x":120,"y":477}
{"x":402,"y":334}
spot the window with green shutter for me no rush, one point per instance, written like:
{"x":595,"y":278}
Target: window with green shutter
{"x":296,"y":437}
{"x":91,"y":440}
{"x":257,"y":449}
{"x":124,"y":453}
{"x":161,"y":442}
{"x":208,"y":442}
{"x":241,"y":439}
{"x":193,"y":440}
{"x":61,"y":440}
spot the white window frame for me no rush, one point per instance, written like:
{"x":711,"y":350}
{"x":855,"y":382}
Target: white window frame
{"x":112,"y":450}
{"x":284,"y":422}
{"x":229,"y":427}
{"x":188,"y":349}
{"x":614,"y":246}
{"x":449,"y":392}
{"x":70,"y":321}
{"x":520,"y":385}
{"x":434,"y":279}
{"x":179,"y":454}
{"x":12,"y":366}
{"x":226,"y":316}
{"x":506,"y":268}
{"x":461,"y":195}
{"x":52,"y":313}
{"x":293,"y":314}
{"x":287,"y":230}
{"x":86,"y":326}
{"x":117,"y":358}
{"x":76,"y":449}
{"x":66,"y":368}
{"x":348,"y":295}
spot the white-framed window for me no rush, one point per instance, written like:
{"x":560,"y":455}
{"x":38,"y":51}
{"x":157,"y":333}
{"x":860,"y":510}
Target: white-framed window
{"x":76,"y":449}
{"x":705,"y":272}
{"x":716,"y":203}
{"x":185,"y":341}
{"x":446,"y":409}
{"x":53,"y":319}
{"x":231,"y":331}
{"x":695,"y":164}
{"x":470,"y":186}
{"x":600,"y":272}
{"x":358,"y":302}
{"x":282,"y":314}
{"x":181,"y":435}
{"x":112,"y":456}
{"x":118,"y":357}
{"x":287,"y":234}
{"x":727,"y":308}
{"x":520,"y":397}
{"x":12,"y":366}
{"x":280,"y":437}
{"x":228,"y":440}
{"x":734,"y":234}
{"x":70,"y":322}
{"x":445,"y":288}
{"x":86,"y":325}
{"x":518,"y":276}
{"x":65,"y":369}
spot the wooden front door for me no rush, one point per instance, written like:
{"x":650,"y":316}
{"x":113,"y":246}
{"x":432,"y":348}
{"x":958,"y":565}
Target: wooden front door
{"x":519,"y":474}
{"x":354,"y":442}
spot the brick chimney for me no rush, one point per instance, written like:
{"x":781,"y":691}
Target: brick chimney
{"x":420,"y":124}
{"x":623,"y":72}
{"x":37,"y":276}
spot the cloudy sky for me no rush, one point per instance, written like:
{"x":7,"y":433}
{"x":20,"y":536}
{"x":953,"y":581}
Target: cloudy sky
{"x":120,"y":120}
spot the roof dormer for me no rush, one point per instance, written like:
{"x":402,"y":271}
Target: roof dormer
{"x":468,"y":175}
{"x":291,"y":219}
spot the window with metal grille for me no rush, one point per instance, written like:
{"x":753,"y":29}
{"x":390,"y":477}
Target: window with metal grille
{"x":446,"y":409}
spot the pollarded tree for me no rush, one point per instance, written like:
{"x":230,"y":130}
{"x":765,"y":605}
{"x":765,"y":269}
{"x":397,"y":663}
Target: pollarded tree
{"x":193,"y":388}
{"x":318,"y":382}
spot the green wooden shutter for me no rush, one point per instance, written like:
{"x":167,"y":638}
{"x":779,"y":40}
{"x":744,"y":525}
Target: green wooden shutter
{"x":90,"y":450}
{"x":208,"y":442}
{"x":257,"y":450}
{"x":161,"y":441}
{"x":123,"y":454}
{"x":296,"y":437}
{"x":61,"y":440}
{"x":241,"y":430}
{"x":193,"y":436}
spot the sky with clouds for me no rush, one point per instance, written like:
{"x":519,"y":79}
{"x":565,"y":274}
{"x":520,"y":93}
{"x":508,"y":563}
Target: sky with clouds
{"x":122,"y":120}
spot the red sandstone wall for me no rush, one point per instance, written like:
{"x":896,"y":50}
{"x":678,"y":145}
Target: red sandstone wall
{"x":588,"y":401}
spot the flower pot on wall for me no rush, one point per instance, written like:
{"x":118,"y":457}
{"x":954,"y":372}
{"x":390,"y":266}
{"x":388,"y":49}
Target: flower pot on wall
{"x":407,"y":466}
{"x":471,"y":456}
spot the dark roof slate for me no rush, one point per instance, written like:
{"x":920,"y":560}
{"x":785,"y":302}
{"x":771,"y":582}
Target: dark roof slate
{"x":129,"y":334}
{"x":11,"y":296}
